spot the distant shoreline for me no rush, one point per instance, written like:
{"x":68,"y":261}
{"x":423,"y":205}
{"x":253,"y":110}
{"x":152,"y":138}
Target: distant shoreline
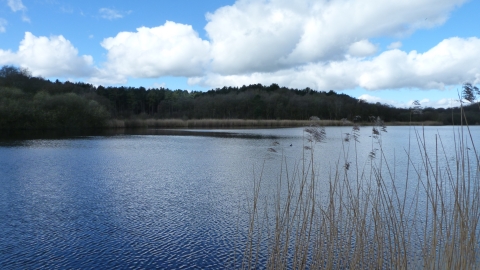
{"x":242,"y":123}
{"x":113,"y":124}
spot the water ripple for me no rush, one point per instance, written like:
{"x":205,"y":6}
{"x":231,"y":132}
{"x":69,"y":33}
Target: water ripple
{"x":132,"y":202}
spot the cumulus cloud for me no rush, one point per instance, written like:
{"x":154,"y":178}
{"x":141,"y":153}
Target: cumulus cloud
{"x":395,"y":45}
{"x":321,"y":44}
{"x":54,"y":56}
{"x":110,"y":14}
{"x":372,"y":99}
{"x":3,"y":24}
{"x":452,"y":61}
{"x":362,"y":48}
{"x":106,"y":77}
{"x":267,"y":36}
{"x":252,"y":36}
{"x":442,"y":103}
{"x":425,"y":103}
{"x":169,"y":50}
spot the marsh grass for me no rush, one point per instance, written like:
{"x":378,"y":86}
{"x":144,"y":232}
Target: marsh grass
{"x":365,"y":216}
{"x":213,"y":123}
{"x":237,"y":123}
{"x":424,"y":123}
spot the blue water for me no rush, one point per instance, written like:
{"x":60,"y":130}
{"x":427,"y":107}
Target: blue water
{"x":150,"y":199}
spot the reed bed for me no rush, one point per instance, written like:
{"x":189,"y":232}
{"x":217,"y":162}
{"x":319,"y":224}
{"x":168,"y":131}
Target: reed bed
{"x":214,"y":123}
{"x":362,"y":216}
{"x":424,"y":123}
{"x":237,"y":123}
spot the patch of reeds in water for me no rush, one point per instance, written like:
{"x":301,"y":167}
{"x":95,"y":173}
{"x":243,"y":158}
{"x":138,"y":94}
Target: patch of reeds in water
{"x":237,"y":123}
{"x":362,"y":216}
{"x":214,"y":123}
{"x":424,"y":123}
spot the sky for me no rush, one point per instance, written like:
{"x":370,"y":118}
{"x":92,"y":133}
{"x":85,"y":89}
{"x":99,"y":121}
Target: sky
{"x":392,"y":52}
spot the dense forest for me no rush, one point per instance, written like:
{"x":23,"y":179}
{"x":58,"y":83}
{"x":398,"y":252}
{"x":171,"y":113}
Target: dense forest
{"x":28,"y":102}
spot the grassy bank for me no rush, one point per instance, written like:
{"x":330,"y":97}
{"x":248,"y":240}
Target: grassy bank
{"x":236,"y":123}
{"x":368,"y":216}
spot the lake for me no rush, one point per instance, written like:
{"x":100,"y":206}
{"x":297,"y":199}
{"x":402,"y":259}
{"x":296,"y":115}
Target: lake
{"x":165,"y":199}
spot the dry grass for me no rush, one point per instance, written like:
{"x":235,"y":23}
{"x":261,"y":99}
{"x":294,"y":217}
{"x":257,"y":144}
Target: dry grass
{"x":237,"y":123}
{"x":213,"y":123}
{"x":361,"y":216}
{"x":424,"y":123}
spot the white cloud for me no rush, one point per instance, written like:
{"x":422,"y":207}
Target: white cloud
{"x":16,"y":5}
{"x":25,"y":18}
{"x":444,"y":102}
{"x":110,"y":14}
{"x":169,"y":50}
{"x":440,"y":103}
{"x":158,"y":85}
{"x":371,"y":99}
{"x":451,"y":62}
{"x":362,"y":48}
{"x":54,"y":56}
{"x":267,"y":36}
{"x":321,"y":44}
{"x":252,"y":36}
{"x":3,"y":24}
{"x":424,"y":103}
{"x":395,"y":45}
{"x":106,"y":77}
{"x":6,"y":57}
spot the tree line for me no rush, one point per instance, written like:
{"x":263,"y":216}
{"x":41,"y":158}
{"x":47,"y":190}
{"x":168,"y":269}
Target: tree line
{"x":34,"y":102}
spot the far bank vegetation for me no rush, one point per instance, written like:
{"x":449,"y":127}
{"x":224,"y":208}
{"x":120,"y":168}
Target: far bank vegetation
{"x":28,"y":102}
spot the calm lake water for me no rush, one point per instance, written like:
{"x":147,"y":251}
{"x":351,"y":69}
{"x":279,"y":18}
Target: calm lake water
{"x":164,"y":199}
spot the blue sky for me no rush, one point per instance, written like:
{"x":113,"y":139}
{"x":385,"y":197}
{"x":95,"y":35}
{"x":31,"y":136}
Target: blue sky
{"x":382,"y":51}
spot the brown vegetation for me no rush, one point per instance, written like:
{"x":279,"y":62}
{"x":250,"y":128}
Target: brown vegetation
{"x":240,"y":123}
{"x":214,"y":123}
{"x":364,"y":216}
